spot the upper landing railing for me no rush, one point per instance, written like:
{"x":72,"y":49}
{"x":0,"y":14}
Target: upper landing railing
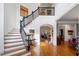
{"x":45,"y":11}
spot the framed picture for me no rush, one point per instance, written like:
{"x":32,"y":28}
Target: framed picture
{"x":32,"y":31}
{"x":70,"y":32}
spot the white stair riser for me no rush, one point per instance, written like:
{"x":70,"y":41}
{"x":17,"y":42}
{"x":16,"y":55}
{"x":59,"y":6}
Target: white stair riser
{"x":16,"y":53}
{"x":12,"y":41}
{"x":12,"y":45}
{"x":12,"y":37}
{"x":13,"y":49}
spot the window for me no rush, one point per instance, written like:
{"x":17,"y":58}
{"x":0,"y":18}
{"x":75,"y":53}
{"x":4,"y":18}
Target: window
{"x":23,"y":11}
{"x":45,"y":11}
{"x":49,"y":12}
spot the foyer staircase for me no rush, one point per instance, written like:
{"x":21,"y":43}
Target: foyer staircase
{"x":13,"y":45}
{"x":17,"y":43}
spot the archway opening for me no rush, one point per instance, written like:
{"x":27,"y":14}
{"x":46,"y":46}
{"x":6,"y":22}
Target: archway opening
{"x":46,"y":33}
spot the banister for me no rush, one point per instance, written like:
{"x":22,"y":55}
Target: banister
{"x":36,"y":10}
{"x":27,"y":44}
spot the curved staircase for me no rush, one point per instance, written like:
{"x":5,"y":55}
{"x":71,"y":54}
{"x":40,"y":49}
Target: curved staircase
{"x":15,"y":44}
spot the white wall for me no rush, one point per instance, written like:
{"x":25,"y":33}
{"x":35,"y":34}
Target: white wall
{"x":70,"y":27}
{"x":62,"y":8}
{"x":18,"y":17}
{"x":1,"y":28}
{"x":10,"y":17}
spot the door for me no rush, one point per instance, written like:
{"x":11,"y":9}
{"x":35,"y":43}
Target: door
{"x":62,"y":34}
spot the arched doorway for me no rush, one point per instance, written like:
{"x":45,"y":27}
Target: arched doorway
{"x":46,"y":32}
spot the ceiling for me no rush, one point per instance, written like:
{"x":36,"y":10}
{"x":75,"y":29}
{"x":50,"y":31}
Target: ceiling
{"x":71,"y":15}
{"x":47,"y":4}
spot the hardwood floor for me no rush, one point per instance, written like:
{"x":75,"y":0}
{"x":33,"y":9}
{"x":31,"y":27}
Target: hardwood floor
{"x":50,"y":50}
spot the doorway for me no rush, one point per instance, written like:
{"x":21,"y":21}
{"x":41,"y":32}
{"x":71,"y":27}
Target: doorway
{"x":46,"y":33}
{"x":66,"y":34}
{"x":61,"y":34}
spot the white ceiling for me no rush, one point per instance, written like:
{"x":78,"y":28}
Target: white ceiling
{"x":47,"y":4}
{"x":72,"y":14}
